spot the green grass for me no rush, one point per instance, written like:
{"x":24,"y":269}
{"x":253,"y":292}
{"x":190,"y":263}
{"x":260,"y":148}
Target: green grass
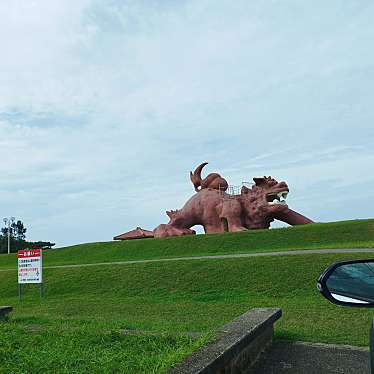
{"x":345,"y":234}
{"x":77,"y":326}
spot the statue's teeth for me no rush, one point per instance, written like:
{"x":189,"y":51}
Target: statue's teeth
{"x":282,"y":195}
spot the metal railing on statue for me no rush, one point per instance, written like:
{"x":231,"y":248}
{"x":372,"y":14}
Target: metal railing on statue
{"x":233,"y":191}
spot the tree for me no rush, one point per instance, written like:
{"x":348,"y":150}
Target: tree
{"x":19,"y":230}
{"x":17,"y":239}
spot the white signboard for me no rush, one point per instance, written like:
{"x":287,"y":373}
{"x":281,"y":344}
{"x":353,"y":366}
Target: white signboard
{"x":30,"y":266}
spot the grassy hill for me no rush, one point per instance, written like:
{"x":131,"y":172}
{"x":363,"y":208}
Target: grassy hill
{"x":139,"y":318}
{"x":343,"y":234}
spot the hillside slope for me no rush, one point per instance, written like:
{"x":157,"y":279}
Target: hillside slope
{"x":134,"y":318}
{"x":344,"y":234}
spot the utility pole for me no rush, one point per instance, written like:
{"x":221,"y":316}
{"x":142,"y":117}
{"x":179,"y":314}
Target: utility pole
{"x":8,"y":222}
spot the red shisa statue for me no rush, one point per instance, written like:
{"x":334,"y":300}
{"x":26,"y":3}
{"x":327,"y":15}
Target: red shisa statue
{"x":218,"y":211}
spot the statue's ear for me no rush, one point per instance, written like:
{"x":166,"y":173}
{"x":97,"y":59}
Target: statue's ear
{"x":259,"y":181}
{"x":245,"y":190}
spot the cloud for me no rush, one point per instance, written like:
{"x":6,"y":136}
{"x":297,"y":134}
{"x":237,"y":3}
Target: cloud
{"x":105,"y":106}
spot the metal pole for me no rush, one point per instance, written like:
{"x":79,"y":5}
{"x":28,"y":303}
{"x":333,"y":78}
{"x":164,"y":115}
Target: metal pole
{"x":372,"y":347}
{"x":8,"y":237}
{"x":41,"y":290}
{"x":20,"y":291}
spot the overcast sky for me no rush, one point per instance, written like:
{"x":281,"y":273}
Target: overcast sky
{"x":105,"y":107}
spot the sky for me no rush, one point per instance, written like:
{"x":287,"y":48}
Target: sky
{"x":105,"y":107}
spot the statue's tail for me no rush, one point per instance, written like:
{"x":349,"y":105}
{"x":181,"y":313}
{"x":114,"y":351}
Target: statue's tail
{"x":196,"y":176}
{"x":213,"y":180}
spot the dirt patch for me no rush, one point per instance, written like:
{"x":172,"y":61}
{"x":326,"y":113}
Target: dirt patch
{"x":190,"y":334}
{"x":33,"y":328}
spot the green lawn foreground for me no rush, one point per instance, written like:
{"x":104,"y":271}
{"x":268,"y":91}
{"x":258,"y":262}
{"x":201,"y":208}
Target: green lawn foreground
{"x":344,"y":234}
{"x":79,"y":325}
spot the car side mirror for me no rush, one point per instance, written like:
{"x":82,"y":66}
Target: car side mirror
{"x":349,"y":283}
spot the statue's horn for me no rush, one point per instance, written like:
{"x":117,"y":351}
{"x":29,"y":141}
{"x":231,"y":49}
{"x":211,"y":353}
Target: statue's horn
{"x":196,"y":176}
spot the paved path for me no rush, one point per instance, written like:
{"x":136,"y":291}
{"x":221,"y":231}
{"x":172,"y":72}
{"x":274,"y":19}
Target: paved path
{"x":214,"y":257}
{"x":313,"y":358}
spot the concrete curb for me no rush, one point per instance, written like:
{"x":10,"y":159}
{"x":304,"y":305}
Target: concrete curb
{"x":238,"y":345}
{"x":327,"y":346}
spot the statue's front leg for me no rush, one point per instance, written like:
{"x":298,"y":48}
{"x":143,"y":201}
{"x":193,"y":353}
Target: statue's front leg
{"x":213,"y":228}
{"x":231,"y":215}
{"x":292,"y":218}
{"x":235,"y":224}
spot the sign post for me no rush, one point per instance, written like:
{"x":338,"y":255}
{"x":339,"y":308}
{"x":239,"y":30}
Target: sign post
{"x":29,"y":269}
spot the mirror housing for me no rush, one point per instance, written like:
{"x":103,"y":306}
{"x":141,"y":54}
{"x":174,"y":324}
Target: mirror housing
{"x":349,"y":283}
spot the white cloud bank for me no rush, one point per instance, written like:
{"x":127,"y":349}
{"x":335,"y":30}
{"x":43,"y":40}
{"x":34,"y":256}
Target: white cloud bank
{"x":105,"y":106}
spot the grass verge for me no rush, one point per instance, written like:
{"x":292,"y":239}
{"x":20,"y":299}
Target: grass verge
{"x":78,"y":326}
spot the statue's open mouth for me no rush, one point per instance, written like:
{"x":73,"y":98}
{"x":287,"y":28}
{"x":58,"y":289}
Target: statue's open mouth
{"x":276,"y":198}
